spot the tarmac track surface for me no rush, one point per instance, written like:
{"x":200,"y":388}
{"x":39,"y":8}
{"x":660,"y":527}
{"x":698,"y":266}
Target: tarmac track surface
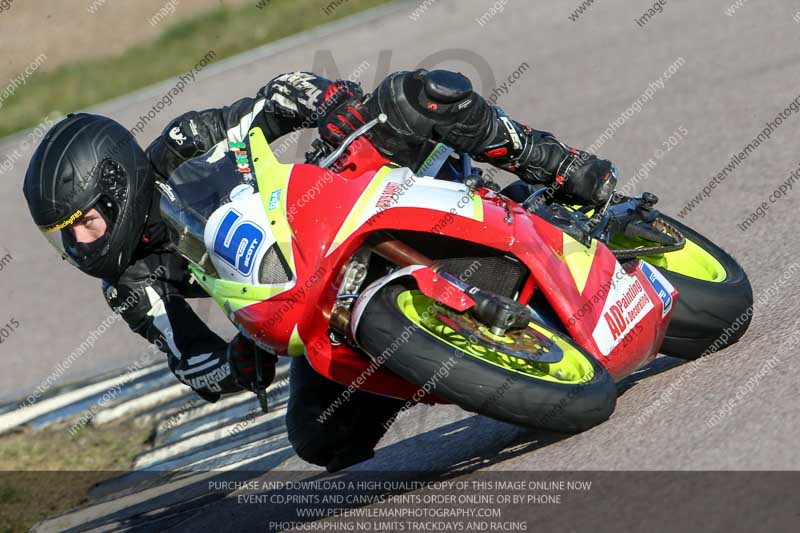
{"x":737,"y":73}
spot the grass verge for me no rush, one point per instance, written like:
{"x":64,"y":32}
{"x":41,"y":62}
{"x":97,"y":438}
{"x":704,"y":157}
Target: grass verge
{"x":225,"y":30}
{"x":46,"y":472}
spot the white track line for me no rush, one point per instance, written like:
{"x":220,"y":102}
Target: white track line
{"x":23,"y":415}
{"x":141,"y":403}
{"x":222,"y":435}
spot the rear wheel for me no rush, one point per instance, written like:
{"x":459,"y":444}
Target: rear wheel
{"x":418,"y":342}
{"x":714,"y":306}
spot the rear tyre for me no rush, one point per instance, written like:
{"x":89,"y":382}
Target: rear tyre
{"x":571,"y":395}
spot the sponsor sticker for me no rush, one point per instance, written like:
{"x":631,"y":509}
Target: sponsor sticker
{"x":274,"y":199}
{"x":176,"y":134}
{"x":385,"y":199}
{"x":662,"y":287}
{"x":71,"y":220}
{"x":166,"y":190}
{"x":237,"y":241}
{"x":626,"y":305}
{"x":240,"y":157}
{"x":242,"y":164}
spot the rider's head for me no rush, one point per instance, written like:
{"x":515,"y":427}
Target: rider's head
{"x":89,"y":188}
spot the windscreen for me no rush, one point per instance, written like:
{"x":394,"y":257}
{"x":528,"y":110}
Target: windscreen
{"x":194,"y":191}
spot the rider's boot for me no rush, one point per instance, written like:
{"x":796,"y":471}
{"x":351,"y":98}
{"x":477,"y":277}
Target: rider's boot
{"x":442,"y":106}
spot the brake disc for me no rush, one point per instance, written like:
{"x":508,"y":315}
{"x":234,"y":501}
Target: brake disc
{"x":527,"y":344}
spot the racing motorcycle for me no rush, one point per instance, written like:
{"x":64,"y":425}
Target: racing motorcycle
{"x":446,"y":291}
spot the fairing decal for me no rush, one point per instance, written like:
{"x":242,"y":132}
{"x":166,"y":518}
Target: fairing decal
{"x":626,"y":305}
{"x":579,"y":259}
{"x":237,"y":236}
{"x":399,"y":188}
{"x":663,"y":288}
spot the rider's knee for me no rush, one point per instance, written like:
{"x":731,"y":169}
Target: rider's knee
{"x":311,"y":448}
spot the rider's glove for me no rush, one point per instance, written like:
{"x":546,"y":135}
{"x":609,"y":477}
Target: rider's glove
{"x":586,"y":178}
{"x":345,"y":111}
{"x":242,"y":358}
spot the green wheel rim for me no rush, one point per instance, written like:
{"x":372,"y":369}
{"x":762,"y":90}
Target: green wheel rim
{"x":691,"y":261}
{"x":574,"y":368}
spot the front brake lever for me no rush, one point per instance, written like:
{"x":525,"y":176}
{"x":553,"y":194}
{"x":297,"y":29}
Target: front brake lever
{"x":611,"y":197}
{"x":336,"y":154}
{"x":263,"y":380}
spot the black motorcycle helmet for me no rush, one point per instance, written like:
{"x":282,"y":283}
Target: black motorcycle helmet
{"x":85,"y":162}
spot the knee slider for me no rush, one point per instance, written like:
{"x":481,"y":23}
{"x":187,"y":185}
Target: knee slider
{"x":311,"y":450}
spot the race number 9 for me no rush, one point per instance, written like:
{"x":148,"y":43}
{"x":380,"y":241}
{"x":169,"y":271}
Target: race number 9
{"x":237,"y":242}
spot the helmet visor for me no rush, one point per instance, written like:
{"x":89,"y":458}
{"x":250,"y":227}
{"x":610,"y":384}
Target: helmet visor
{"x":75,"y":241}
{"x":60,"y":236}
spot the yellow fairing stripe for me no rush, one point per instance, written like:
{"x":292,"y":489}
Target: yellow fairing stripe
{"x":477,"y":207}
{"x":272,"y":175}
{"x":363,"y":203}
{"x":296,"y":345}
{"x":579,"y":260}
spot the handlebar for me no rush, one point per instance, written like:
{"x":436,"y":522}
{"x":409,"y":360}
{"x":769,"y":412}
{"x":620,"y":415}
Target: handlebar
{"x":631,"y":216}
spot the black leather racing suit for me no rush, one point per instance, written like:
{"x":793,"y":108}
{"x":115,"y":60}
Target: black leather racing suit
{"x":152,"y":293}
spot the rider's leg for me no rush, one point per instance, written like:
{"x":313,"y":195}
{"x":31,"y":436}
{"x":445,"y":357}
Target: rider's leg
{"x":327,"y":427}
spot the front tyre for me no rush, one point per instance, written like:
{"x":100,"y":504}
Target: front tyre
{"x":404,"y":326}
{"x":715,"y":300}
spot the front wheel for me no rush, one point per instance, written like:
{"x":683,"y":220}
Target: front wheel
{"x":411,"y":334}
{"x":715,"y":300}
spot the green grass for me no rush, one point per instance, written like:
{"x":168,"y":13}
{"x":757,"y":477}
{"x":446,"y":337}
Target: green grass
{"x":225,"y":31}
{"x":47,"y":472}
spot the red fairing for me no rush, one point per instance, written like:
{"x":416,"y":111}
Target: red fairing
{"x":359,"y":158}
{"x":616,"y":315}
